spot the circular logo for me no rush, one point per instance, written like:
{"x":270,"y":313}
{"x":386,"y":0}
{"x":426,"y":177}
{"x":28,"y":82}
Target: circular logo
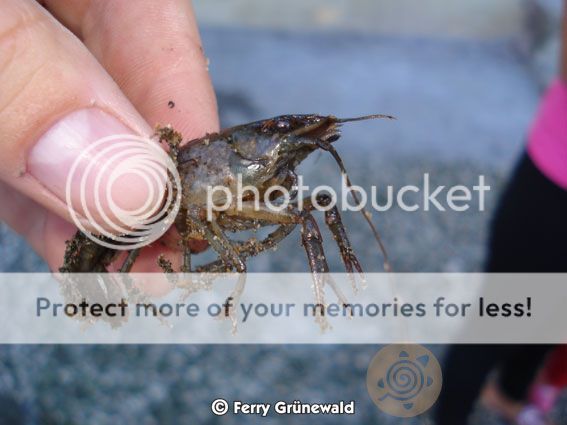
{"x":404,"y":380}
{"x":97,"y":170}
{"x":219,"y":407}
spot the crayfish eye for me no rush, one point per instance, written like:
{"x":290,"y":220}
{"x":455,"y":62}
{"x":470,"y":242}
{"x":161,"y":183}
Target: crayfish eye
{"x":333,"y":138}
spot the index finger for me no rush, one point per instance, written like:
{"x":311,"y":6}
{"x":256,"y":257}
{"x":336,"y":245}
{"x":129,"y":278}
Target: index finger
{"x":153,"y":51}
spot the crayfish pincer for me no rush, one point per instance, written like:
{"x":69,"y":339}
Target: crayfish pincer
{"x":262,"y":156}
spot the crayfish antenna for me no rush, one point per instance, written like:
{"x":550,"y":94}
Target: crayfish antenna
{"x":367,"y":216}
{"x":365,"y":117}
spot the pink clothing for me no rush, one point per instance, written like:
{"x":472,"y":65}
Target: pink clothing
{"x":547,"y":145}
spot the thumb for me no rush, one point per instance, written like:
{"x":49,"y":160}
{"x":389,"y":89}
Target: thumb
{"x":55,"y":102}
{"x":109,"y":178}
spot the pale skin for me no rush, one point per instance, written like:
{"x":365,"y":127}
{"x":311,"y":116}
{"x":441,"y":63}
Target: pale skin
{"x":129,"y":58}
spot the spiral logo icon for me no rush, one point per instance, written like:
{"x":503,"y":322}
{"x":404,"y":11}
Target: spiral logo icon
{"x":95,"y":174}
{"x":404,"y":380}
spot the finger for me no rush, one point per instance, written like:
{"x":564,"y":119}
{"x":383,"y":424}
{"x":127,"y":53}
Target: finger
{"x":55,"y":100}
{"x":47,"y":233}
{"x":44,"y":231}
{"x":153,"y":51}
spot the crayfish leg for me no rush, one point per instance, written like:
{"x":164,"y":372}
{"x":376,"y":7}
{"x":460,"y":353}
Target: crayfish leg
{"x":171,"y":138}
{"x":335,"y":224}
{"x":250,"y":248}
{"x":312,"y":242}
{"x":130,"y":260}
{"x":216,"y":238}
{"x":233,"y":301}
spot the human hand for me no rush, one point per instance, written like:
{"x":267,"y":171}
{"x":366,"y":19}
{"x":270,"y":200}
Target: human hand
{"x":73,"y":71}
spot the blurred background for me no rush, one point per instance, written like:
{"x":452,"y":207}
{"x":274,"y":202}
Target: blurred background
{"x":463,"y":77}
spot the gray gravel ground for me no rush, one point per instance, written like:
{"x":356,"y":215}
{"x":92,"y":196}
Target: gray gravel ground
{"x":463,"y":108}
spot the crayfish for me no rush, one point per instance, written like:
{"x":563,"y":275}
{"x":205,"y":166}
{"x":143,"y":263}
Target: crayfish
{"x":262,"y":154}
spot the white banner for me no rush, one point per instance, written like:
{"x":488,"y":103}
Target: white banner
{"x":282,"y":308}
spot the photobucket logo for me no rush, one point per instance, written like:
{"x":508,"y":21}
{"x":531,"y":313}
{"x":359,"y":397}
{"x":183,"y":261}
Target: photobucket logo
{"x":410,"y":198}
{"x":96,"y":173}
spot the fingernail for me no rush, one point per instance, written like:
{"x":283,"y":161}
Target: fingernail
{"x":62,"y":149}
